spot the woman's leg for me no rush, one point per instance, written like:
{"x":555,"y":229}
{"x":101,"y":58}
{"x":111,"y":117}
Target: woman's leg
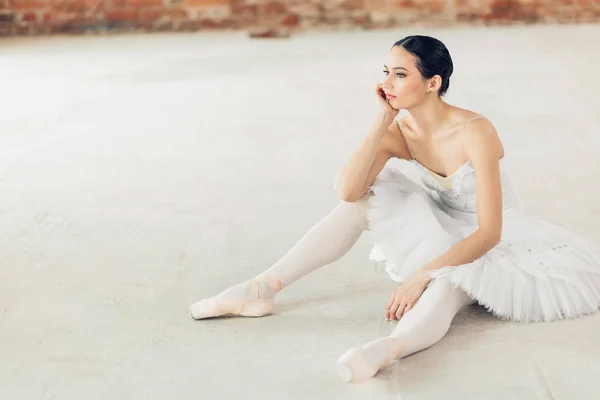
{"x":420,"y":328}
{"x":327,"y":241}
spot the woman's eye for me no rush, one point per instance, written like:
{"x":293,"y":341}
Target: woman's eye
{"x":385,"y":72}
{"x":400,"y":75}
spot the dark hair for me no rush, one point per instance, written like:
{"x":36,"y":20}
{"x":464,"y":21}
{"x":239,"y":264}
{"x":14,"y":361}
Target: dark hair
{"x":433,"y":58}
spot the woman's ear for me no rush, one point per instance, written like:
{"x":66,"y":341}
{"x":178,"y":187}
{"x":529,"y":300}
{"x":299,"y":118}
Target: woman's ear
{"x":434,"y":84}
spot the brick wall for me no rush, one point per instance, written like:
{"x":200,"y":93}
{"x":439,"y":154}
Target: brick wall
{"x":24,"y":17}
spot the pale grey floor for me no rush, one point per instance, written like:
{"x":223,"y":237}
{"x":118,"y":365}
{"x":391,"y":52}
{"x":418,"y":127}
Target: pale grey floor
{"x":141,"y":173}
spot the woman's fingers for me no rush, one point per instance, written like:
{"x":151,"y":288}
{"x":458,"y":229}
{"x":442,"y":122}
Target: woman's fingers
{"x":409,"y":307}
{"x":398,"y":305}
{"x":400,"y":310}
{"x":390,"y":301}
{"x":394,"y":307}
{"x":389,"y":305}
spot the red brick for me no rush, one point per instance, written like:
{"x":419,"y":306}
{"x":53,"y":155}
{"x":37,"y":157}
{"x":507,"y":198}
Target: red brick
{"x":501,"y":9}
{"x":79,"y":5}
{"x":467,"y":17}
{"x":29,"y":17}
{"x":145,"y":3}
{"x":121,"y":15}
{"x":28,"y":4}
{"x":175,"y":13}
{"x":264,"y":34}
{"x":405,"y":4}
{"x":273,"y":8}
{"x":269,"y":33}
{"x":6,"y":29}
{"x":74,"y":25}
{"x":154,"y":15}
{"x":145,"y":25}
{"x":23,"y":30}
{"x":505,"y":10}
{"x":291,"y":20}
{"x":377,"y":5}
{"x":52,"y":15}
{"x":151,"y":15}
{"x":165,"y":15}
{"x":226,"y":23}
{"x":360,"y":20}
{"x":207,"y":24}
{"x":335,"y":16}
{"x":196,"y":25}
{"x":205,"y":3}
{"x":66,"y":3}
{"x":589,"y":4}
{"x":164,"y":26}
{"x":307,"y":11}
{"x":239,"y":7}
{"x":353,"y":4}
{"x":435,"y":6}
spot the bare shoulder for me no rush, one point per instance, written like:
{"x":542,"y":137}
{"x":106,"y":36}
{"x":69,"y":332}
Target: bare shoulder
{"x":480,"y":138}
{"x":395,"y":141}
{"x":404,"y":124}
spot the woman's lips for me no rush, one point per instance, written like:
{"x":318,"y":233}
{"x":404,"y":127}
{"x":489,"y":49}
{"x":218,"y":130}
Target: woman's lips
{"x":389,"y":96}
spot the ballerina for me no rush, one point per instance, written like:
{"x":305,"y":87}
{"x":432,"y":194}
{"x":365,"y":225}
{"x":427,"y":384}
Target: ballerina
{"x":457,"y":237}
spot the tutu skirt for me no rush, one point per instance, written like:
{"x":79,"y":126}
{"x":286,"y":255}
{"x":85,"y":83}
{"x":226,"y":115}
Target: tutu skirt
{"x":538,"y":272}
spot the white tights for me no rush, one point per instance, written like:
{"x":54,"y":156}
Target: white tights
{"x":330,"y":239}
{"x":423,"y":326}
{"x":327,"y":241}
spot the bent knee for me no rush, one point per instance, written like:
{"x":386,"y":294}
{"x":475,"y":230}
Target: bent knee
{"x":360,"y":204}
{"x":356,"y":210}
{"x":444,"y":291}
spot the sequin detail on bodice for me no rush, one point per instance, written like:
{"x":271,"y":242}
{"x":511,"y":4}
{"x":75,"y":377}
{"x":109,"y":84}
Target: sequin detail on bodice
{"x":462,"y":195}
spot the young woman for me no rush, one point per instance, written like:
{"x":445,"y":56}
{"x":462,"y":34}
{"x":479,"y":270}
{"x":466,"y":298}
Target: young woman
{"x":459,"y":238}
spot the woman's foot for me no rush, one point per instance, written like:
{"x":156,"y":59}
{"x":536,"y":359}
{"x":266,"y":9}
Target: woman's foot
{"x":253,"y":298}
{"x":361,"y":363}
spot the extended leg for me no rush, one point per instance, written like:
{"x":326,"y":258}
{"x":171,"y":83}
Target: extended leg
{"x":327,"y":241}
{"x":420,"y":328}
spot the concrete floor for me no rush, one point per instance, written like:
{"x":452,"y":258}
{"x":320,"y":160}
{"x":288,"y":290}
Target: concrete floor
{"x":139,"y":174}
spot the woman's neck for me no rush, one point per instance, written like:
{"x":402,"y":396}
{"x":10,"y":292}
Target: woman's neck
{"x":430,"y":117}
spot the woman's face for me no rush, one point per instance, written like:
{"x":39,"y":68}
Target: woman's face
{"x":402,"y":82}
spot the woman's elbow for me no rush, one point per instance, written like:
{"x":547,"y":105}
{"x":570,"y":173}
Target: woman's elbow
{"x":492,"y":237}
{"x":345,"y":191}
{"x":349,"y":196}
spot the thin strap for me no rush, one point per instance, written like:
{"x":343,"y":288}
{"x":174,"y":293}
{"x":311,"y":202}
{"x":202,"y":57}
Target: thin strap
{"x":465,"y":128}
{"x":469,"y":121}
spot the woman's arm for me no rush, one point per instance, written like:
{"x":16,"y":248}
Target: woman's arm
{"x":367,"y":161}
{"x":383,"y":142}
{"x":484,"y":150}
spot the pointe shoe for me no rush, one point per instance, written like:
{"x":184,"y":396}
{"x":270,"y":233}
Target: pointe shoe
{"x":253,"y":298}
{"x":352,"y":366}
{"x":356,"y":365}
{"x":214,"y":307}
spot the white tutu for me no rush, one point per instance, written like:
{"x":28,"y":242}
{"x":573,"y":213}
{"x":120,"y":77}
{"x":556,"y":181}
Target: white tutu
{"x":538,"y":272}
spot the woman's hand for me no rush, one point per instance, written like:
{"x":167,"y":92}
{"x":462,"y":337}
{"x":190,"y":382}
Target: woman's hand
{"x":383,"y":103}
{"x":406,"y":295}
